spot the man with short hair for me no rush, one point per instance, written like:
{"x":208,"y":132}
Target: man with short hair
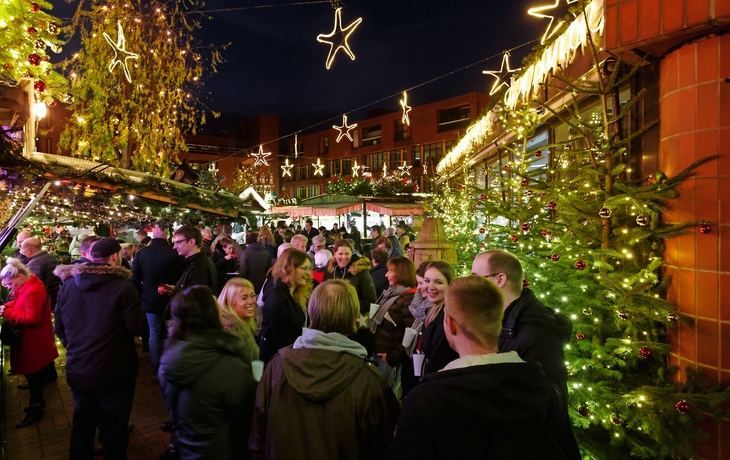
{"x":534,"y":331}
{"x":310,"y":232}
{"x":42,"y":264}
{"x":85,"y":248}
{"x":142,"y":237}
{"x":207,"y":241}
{"x":19,"y":238}
{"x":375,"y":232}
{"x":197,"y":268}
{"x":484,"y":404}
{"x":97,"y":316}
{"x":300,"y":243}
{"x":318,"y":243}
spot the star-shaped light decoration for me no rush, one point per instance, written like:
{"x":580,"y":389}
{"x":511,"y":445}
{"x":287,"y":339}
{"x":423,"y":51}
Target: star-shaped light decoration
{"x":121,"y":55}
{"x":404,"y":170}
{"x":406,"y":108}
{"x":344,"y":129}
{"x":261,"y":157}
{"x":538,"y":13}
{"x":318,"y":168}
{"x":355,"y":169}
{"x":341,"y":45}
{"x":385,"y":170}
{"x":501,"y":74}
{"x":286,"y":168}
{"x":296,"y":146}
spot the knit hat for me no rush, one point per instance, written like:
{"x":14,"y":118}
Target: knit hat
{"x":105,"y":247}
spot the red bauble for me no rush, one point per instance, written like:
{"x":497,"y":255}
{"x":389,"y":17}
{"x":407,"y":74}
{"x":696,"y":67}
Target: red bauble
{"x":542,"y":195}
{"x":32,"y":30}
{"x":525,"y":182}
{"x":482,"y":231}
{"x":552,"y":205}
{"x":52,"y":248}
{"x":525,"y":227}
{"x":545,"y":233}
{"x":555,"y":257}
{"x":645,"y":352}
{"x":483,"y":196}
{"x":506,"y":166}
{"x":34,"y":7}
{"x":580,"y":265}
{"x":583,"y":411}
{"x":705,"y":229}
{"x":459,"y":187}
{"x":538,"y":154}
{"x":580,"y":336}
{"x":39,"y":86}
{"x":682,"y":407}
{"x":482,"y":245}
{"x":514,"y":237}
{"x":525,"y":284}
{"x":34,"y":59}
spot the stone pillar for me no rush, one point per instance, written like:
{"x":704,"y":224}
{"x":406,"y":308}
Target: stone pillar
{"x":432,"y":243}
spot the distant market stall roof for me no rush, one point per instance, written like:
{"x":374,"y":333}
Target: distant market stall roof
{"x":337,"y":205}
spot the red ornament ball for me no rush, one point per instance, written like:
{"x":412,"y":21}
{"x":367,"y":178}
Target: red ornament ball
{"x":580,"y":265}
{"x":52,"y":248}
{"x":39,"y":86}
{"x":34,"y":59}
{"x":525,"y":284}
{"x":32,"y":30}
{"x":514,"y":237}
{"x":482,"y":245}
{"x":525,"y":227}
{"x":538,"y":154}
{"x":525,"y":182}
{"x":542,"y":195}
{"x":555,"y":257}
{"x":459,"y":187}
{"x":645,"y":352}
{"x":583,"y":411}
{"x":482,"y":231}
{"x":580,"y":336}
{"x":552,"y":205}
{"x":705,"y":229}
{"x":683,"y":407}
{"x":483,"y":196}
{"x":545,"y":232}
{"x":506,"y":166}
{"x":34,"y":7}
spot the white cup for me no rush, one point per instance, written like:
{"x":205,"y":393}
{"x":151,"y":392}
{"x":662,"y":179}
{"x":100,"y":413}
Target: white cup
{"x":257,"y":367}
{"x":418,"y":359}
{"x":373,"y":309}
{"x":408,"y":337}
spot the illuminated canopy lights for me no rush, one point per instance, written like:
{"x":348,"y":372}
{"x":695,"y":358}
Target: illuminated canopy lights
{"x":261,"y":156}
{"x":121,"y":55}
{"x":286,"y":168}
{"x":406,"y":108}
{"x":538,"y":13}
{"x":501,"y":74}
{"x":344,"y":129}
{"x":343,"y":45}
{"x":318,"y":168}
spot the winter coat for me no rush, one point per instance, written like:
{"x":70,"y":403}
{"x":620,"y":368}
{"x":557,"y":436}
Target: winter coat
{"x":357,"y":272}
{"x":388,"y":336}
{"x":506,"y":411}
{"x":538,"y":333}
{"x":97,"y":316}
{"x":225,"y":266}
{"x":395,"y":246}
{"x":435,"y":346}
{"x":381,"y":283}
{"x":253,"y":263}
{"x":197,"y":270}
{"x":158,"y":263}
{"x":42,"y":265}
{"x":234,"y":325}
{"x":31,"y":309}
{"x":321,"y":399}
{"x":209,"y":388}
{"x":283,"y":320}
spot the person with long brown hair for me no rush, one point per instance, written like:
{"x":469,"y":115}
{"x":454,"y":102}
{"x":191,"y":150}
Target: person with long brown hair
{"x":266,"y":240}
{"x":437,"y":278}
{"x":344,"y":265}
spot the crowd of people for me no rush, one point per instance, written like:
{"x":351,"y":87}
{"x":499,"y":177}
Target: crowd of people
{"x":295,"y":345}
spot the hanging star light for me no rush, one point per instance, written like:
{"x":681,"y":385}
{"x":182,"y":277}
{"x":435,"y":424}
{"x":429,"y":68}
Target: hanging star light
{"x":121,"y":55}
{"x":343,"y":45}
{"x":286,"y":168}
{"x":355,"y":169}
{"x":261,"y":156}
{"x":501,"y":74}
{"x":406,"y":108}
{"x":385,"y":170}
{"x":296,"y":146}
{"x":318,"y":167}
{"x":538,"y":13}
{"x":344,"y":129}
{"x":404,"y":170}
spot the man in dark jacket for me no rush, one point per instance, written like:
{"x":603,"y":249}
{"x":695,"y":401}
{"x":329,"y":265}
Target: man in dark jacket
{"x":97,"y":316}
{"x":380,"y":259}
{"x":310,"y":232}
{"x":484,"y":404}
{"x":534,"y":331}
{"x":42,"y":264}
{"x":254,"y":262}
{"x":197,"y":268}
{"x":154,"y":265}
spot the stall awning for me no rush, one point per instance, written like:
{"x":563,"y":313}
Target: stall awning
{"x":338,"y":209}
{"x":395,"y":209}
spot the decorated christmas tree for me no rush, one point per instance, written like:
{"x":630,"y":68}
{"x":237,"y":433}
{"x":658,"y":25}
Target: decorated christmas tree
{"x":136,"y":82}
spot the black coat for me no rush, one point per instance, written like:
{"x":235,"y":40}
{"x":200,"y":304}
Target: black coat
{"x":153,"y":265}
{"x":379,"y":280}
{"x":537,"y":333}
{"x":197,"y":270}
{"x":357,"y":272}
{"x":283,"y":320}
{"x":506,"y":411}
{"x":224,"y":266}
{"x":388,"y":337}
{"x":42,"y":265}
{"x":435,"y":346}
{"x":253,"y":263}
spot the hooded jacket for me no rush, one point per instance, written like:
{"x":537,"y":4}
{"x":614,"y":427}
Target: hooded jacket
{"x":506,"y":411}
{"x":357,"y":272}
{"x":208,"y":386}
{"x":538,"y":333}
{"x":320,"y":399}
{"x":97,"y":316}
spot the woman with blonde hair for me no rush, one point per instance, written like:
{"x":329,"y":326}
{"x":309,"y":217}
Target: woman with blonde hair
{"x":266,"y":239}
{"x":237,"y":304}
{"x":283,"y":311}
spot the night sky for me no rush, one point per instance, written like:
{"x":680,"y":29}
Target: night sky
{"x":275,"y":65}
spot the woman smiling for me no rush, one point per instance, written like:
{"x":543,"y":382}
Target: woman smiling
{"x":237,"y":304}
{"x":356,"y":270}
{"x":435,"y":346}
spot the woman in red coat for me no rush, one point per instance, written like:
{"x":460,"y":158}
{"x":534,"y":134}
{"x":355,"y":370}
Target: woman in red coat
{"x":30,"y":309}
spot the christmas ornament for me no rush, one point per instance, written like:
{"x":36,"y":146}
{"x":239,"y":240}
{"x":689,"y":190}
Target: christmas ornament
{"x":501,"y":74}
{"x":261,"y":157}
{"x":529,"y":193}
{"x":32,"y":30}
{"x":40,"y":44}
{"x":538,"y":154}
{"x":525,"y":227}
{"x":552,"y":205}
{"x":673,"y":317}
{"x":524,"y":183}
{"x":34,"y":7}
{"x":616,"y":419}
{"x":514,"y":237}
{"x":339,"y":32}
{"x":643,"y":220}
{"x":344,"y":129}
{"x":583,"y":411}
{"x":482,"y":245}
{"x":459,"y":187}
{"x":682,"y":407}
{"x":39,"y":86}
{"x":482,"y":231}
{"x":53,"y":103}
{"x":555,"y":257}
{"x":624,"y":315}
{"x":705,"y":229}
{"x":286,"y":168}
{"x":580,"y":336}
{"x":588,"y":311}
{"x":538,"y":12}
{"x":542,"y":195}
{"x":645,"y":352}
{"x":121,"y":55}
{"x":506,"y":166}
{"x":483,"y":196}
{"x":545,"y":232}
{"x":525,"y":284}
{"x":406,"y":108}
{"x":318,"y":167}
{"x":52,"y":28}
{"x":580,"y":265}
{"x":605,"y":213}
{"x":34,"y":59}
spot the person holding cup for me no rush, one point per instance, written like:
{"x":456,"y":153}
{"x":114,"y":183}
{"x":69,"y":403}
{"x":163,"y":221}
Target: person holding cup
{"x":392,"y":319}
{"x":437,"y":278}
{"x":419,"y":308}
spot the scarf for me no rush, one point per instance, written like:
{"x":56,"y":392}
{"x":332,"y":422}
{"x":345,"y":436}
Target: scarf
{"x":388,"y":298}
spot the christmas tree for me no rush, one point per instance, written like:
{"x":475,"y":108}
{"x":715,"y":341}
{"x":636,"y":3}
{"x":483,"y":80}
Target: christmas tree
{"x":136,"y":82}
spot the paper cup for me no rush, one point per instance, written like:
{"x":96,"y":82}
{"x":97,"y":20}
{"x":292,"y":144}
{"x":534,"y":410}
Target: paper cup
{"x":373,"y":309}
{"x":258,"y":369}
{"x":408,"y":337}
{"x":418,"y":360}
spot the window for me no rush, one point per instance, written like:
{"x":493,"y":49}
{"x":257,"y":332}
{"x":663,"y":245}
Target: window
{"x":313,"y":190}
{"x":371,"y":135}
{"x":301,"y":172}
{"x":334,"y":167}
{"x":432,"y":154}
{"x":402,"y":130}
{"x":378,"y":159}
{"x":455,"y":118}
{"x":395,"y":159}
{"x":347,"y":166}
{"x":324,"y":146}
{"x":300,"y":192}
{"x":366,"y":162}
{"x":416,"y":156}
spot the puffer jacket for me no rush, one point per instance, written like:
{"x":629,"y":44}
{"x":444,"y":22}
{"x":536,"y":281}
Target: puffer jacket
{"x":357,"y":272}
{"x":208,"y":386}
{"x":388,"y":336}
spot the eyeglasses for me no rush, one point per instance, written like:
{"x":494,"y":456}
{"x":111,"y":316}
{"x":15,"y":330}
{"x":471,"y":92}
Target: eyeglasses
{"x":180,"y":241}
{"x":307,"y":269}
